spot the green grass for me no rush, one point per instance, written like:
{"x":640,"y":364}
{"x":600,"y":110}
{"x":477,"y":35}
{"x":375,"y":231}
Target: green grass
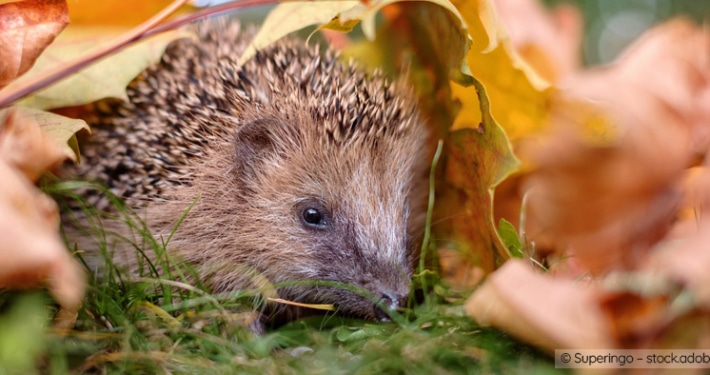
{"x":166,"y":322}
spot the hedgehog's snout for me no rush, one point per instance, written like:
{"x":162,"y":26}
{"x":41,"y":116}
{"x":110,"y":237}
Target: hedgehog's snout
{"x":387,"y":304}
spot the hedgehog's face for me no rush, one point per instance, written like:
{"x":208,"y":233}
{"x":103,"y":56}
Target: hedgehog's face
{"x":333,"y":212}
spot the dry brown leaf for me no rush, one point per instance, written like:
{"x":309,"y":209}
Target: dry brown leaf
{"x":26,"y":29}
{"x":687,"y":261}
{"x":672,"y":286}
{"x":25,"y":147}
{"x":33,"y":252}
{"x":549,"y":313}
{"x":632,"y":317}
{"x":608,"y":205}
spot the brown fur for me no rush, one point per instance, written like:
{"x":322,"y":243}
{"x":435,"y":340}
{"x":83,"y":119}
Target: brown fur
{"x":259,"y":143}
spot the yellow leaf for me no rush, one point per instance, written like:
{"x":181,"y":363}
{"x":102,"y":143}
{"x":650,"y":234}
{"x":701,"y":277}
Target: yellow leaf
{"x":291,"y":16}
{"x":106,"y":78}
{"x":519,"y":97}
{"x":335,"y":15}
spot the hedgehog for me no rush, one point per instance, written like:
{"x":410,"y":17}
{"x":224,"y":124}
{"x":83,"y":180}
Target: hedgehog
{"x":297,"y":165}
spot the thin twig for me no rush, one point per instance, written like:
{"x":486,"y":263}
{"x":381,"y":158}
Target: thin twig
{"x":54,"y":75}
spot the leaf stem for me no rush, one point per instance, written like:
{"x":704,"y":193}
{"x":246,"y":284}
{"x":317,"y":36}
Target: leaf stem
{"x":429,"y":212}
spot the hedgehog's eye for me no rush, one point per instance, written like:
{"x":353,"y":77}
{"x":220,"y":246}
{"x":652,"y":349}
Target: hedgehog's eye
{"x":313,"y":215}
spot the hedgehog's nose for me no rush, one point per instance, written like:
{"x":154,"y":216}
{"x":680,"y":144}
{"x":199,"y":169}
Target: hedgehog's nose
{"x":386,"y":304}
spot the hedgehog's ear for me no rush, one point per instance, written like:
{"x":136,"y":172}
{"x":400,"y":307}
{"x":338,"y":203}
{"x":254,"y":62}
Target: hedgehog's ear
{"x":262,"y":139}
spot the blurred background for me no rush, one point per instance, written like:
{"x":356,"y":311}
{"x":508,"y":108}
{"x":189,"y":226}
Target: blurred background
{"x":612,"y":24}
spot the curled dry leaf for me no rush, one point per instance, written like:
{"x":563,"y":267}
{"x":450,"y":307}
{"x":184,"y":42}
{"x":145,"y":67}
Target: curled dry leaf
{"x":26,"y":29}
{"x":549,"y":313}
{"x":24,"y":147}
{"x":32,"y":250}
{"x":478,"y":160}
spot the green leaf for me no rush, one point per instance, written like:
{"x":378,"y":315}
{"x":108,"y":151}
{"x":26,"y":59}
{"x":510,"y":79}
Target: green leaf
{"x":22,"y":336}
{"x":510,"y":239}
{"x":349,"y":334}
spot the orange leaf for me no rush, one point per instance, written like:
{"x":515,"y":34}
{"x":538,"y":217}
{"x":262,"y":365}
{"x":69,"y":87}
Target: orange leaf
{"x":26,"y":29}
{"x":549,"y":40}
{"x":478,"y":160}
